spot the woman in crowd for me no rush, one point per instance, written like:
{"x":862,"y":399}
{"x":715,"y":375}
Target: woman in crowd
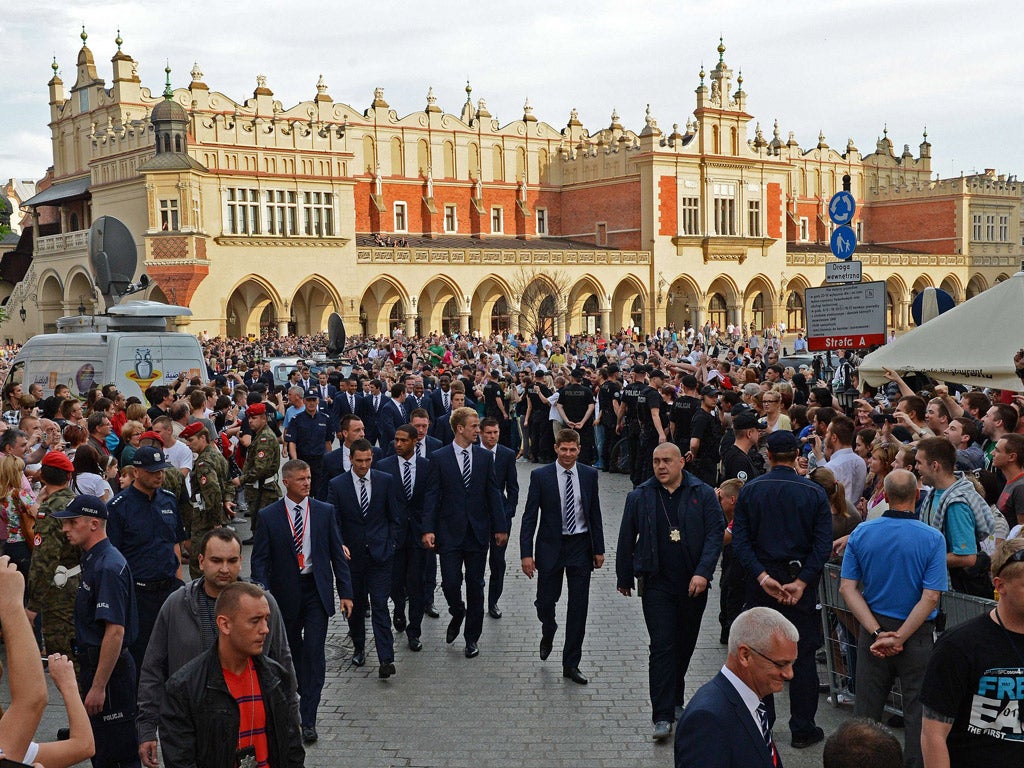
{"x":17,"y":511}
{"x":90,"y":475}
{"x":880,"y":464}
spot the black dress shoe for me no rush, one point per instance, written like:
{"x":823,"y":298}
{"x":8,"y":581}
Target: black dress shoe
{"x":359,"y":659}
{"x":574,"y":674}
{"x":309,"y":734}
{"x":494,"y":612}
{"x":386,"y":671}
{"x":400,"y":622}
{"x":545,"y":648}
{"x":415,"y":644}
{"x":431,"y":611}
{"x":804,"y":740}
{"x":472,"y":651}
{"x":453,"y":628}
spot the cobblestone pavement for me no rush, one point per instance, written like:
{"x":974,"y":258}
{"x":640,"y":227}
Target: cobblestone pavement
{"x":506,"y":707}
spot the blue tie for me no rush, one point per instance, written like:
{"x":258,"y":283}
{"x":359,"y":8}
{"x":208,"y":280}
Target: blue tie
{"x":300,"y":528}
{"x":570,"y":504}
{"x":407,"y":479}
{"x":364,"y":501}
{"x":466,"y":472}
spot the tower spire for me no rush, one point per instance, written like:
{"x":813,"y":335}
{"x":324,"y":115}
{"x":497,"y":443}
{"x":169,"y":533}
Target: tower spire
{"x":168,"y":93}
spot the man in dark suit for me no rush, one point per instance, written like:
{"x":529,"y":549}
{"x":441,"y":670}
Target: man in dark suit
{"x":392,"y":415}
{"x":441,"y":400}
{"x":730,"y":711}
{"x":425,"y":446}
{"x":339,"y":460}
{"x":370,"y":413}
{"x":508,"y":483}
{"x":462,"y":512}
{"x":569,"y":541}
{"x":297,"y":555}
{"x":407,"y":575}
{"x":348,"y":401}
{"x":419,"y":399}
{"x":326,"y":391}
{"x":370,"y":517}
{"x":443,"y":427}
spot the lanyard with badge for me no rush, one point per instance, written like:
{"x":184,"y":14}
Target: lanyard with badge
{"x":300,"y":556}
{"x":674,"y":533}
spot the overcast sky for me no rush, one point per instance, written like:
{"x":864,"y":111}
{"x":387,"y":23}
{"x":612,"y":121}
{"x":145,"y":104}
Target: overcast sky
{"x":845,"y":68}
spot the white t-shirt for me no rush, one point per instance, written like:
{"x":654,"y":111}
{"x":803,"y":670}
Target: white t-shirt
{"x":93,"y":485}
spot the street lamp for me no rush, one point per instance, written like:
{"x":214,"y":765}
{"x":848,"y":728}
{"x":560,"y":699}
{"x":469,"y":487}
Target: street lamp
{"x":22,"y":313}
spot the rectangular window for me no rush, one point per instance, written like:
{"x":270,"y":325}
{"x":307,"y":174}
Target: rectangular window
{"x":169,"y":215}
{"x":860,"y":231}
{"x":690,"y":224}
{"x":318,"y":213}
{"x":805,"y":229}
{"x":497,"y":221}
{"x":401,"y":222}
{"x":725,"y":209}
{"x":976,"y":235}
{"x":282,"y":213}
{"x":754,"y":218}
{"x":451,"y":219}
{"x":601,"y":236}
{"x":990,"y":228}
{"x":542,"y":221}
{"x":1004,"y":229}
{"x":244,"y":212}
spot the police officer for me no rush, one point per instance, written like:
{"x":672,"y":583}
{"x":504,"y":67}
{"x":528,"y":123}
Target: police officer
{"x":309,"y":438}
{"x":576,"y":407}
{"x":262,"y":462}
{"x":174,"y":480}
{"x":629,"y":415}
{"x":649,"y":405}
{"x":212,"y":492}
{"x":53,"y":574}
{"x":736,"y":460}
{"x":105,"y":625}
{"x":145,"y":527}
{"x":782,"y":536}
{"x":705,"y":438}
{"x":537,"y":410}
{"x":606,"y":405}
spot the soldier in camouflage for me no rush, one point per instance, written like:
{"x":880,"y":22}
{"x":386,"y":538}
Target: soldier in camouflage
{"x":213,"y":495}
{"x":53,"y":575}
{"x":262,"y":462}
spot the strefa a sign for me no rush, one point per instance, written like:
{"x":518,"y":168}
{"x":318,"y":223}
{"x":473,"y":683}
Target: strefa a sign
{"x":845,"y":316}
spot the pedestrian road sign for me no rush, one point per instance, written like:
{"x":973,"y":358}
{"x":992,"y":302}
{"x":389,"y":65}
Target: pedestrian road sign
{"x":843,"y":242}
{"x":841,"y":208}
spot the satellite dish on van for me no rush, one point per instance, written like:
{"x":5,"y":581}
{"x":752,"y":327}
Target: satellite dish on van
{"x":113,"y":256}
{"x":335,"y":334}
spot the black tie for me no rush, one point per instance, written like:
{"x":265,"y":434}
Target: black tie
{"x":466,"y":470}
{"x":407,"y":478}
{"x":364,"y":500}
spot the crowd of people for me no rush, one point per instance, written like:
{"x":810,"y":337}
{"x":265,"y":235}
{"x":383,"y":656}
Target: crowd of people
{"x":369,"y":479}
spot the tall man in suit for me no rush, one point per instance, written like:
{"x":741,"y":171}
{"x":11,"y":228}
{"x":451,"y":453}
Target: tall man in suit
{"x":730,"y":711}
{"x":425,"y":446}
{"x":508,"y":483}
{"x":462,"y":512}
{"x":370,"y":414}
{"x":297,"y":555}
{"x":370,"y":516}
{"x":392,"y":415}
{"x":348,"y":401}
{"x":407,"y":575}
{"x":441,"y":400}
{"x":340,"y":459}
{"x":569,"y":541}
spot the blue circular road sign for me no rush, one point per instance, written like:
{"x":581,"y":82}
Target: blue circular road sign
{"x":841,"y":208}
{"x":843,"y":242}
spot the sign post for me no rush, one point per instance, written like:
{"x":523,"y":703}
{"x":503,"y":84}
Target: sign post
{"x":845,"y":316}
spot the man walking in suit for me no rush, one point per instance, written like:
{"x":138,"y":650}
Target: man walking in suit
{"x":669,"y":541}
{"x":392,"y":415}
{"x":508,"y":483}
{"x":425,"y":446}
{"x":371,"y":411}
{"x":727,"y":723}
{"x":408,"y":572}
{"x":370,"y":516}
{"x":348,"y":401}
{"x":570,"y":540}
{"x":297,"y":554}
{"x":463,"y":510}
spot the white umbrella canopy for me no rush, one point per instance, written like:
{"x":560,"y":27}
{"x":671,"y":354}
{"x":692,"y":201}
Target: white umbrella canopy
{"x":972,"y":344}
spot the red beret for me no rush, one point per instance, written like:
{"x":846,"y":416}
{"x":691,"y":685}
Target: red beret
{"x":149,"y":434}
{"x":58,"y":460}
{"x":257,"y":409}
{"x":191,"y":429}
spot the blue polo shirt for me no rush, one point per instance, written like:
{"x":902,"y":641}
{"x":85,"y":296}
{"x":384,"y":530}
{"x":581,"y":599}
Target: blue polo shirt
{"x":145,"y":531}
{"x":105,"y":595}
{"x":894,"y":559}
{"x":309,"y":433}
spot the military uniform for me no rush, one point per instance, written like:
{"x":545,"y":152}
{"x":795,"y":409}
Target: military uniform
{"x":174,"y":482}
{"x":262,"y":462}
{"x":52,"y":550}
{"x":211,"y":489}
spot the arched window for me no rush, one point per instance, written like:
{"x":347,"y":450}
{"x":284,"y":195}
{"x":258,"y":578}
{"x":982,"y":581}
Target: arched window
{"x":397,"y":157}
{"x":422,"y":157}
{"x":636,"y":314}
{"x":397,"y":317}
{"x":474,"y":160}
{"x":369,"y":154}
{"x":177,"y":144}
{"x":717,"y":311}
{"x":757,"y":312}
{"x":450,"y":317}
{"x":449,"y":160}
{"x":498,"y":169}
{"x":501,"y":318}
{"x":794,"y":311}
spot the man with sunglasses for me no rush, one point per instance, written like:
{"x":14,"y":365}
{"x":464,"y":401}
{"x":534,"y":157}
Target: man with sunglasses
{"x":900,"y":563}
{"x":973,"y":692}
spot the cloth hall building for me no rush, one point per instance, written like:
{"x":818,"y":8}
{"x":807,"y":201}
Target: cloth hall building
{"x":258,"y":216}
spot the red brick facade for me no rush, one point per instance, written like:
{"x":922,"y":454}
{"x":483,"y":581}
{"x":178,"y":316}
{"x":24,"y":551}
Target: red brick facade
{"x":668,"y":210}
{"x":915,"y":225}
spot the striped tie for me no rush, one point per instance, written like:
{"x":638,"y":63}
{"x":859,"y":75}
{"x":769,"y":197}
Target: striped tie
{"x":419,"y":450}
{"x":766,"y":731}
{"x":364,"y":500}
{"x":407,"y":479}
{"x":570,"y":504}
{"x":466,"y":472}
{"x":299,"y":529}
{"x":444,"y":401}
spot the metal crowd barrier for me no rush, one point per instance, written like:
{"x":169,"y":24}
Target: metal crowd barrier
{"x":841,"y":627}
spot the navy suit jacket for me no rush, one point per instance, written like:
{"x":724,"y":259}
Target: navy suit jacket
{"x":340,"y":407}
{"x":412,"y":403}
{"x":442,"y":430}
{"x":334,"y":465}
{"x":450,"y":508}
{"x":374,"y":537}
{"x":371,"y":417}
{"x":437,"y":410}
{"x":718,"y":731}
{"x":274,"y":564}
{"x":431,"y":445}
{"x":413,"y":529}
{"x":508,"y":479}
{"x":544,"y":498}
{"x":392,"y":416}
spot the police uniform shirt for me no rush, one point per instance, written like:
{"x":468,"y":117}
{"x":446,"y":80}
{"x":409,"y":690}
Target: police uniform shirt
{"x":708,"y":429}
{"x":146,"y":531}
{"x":681,"y":417}
{"x":628,"y":397}
{"x":606,"y":397}
{"x":309,"y":433}
{"x":538,"y":408}
{"x":492,"y":394}
{"x":575,"y":399}
{"x":648,"y":398}
{"x":736,"y":463}
{"x":105,"y":596}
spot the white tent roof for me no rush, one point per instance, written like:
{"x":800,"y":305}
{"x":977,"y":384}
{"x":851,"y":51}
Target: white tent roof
{"x":972,"y":344}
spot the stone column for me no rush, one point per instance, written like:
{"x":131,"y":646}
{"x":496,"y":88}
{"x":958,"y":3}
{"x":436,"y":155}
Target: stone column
{"x":410,"y":325}
{"x":282,"y":327}
{"x":606,"y":322}
{"x":464,"y":316}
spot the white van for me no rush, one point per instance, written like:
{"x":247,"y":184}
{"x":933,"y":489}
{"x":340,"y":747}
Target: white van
{"x":129,"y":347}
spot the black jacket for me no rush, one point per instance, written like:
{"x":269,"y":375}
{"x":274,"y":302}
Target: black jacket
{"x":198,"y":716}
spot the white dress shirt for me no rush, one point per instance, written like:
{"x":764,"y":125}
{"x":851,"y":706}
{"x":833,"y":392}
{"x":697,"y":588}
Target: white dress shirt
{"x":581,"y":519}
{"x":307,"y":547}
